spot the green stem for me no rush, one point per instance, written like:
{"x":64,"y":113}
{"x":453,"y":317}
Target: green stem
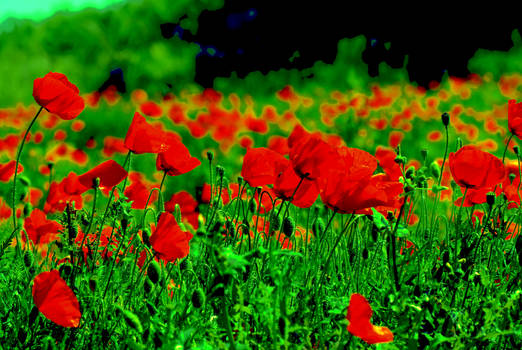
{"x":457,"y":225}
{"x":19,"y":153}
{"x":161,"y":204}
{"x":126,"y":165}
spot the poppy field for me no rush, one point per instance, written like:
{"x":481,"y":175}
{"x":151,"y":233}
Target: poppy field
{"x":252,"y":216}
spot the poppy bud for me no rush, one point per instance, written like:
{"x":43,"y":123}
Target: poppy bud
{"x":24,"y":180}
{"x":252,"y":206}
{"x":65,"y":270}
{"x":275,"y":222}
{"x":145,"y":236}
{"x":400,"y":160}
{"x":424,"y":154}
{"x":210,"y":156}
{"x":410,"y":172}
{"x":95,"y":182}
{"x":132,"y":320}
{"x":490,"y":198}
{"x":93,"y":281}
{"x":147,"y":286}
{"x":220,"y":171}
{"x":318,"y":227}
{"x":239,"y":180}
{"x":288,"y":226}
{"x":445,"y":119}
{"x":515,"y":149}
{"x":282,"y":326}
{"x":435,"y":169}
{"x":28,"y":258}
{"x":185,"y":265}
{"x":453,"y":185}
{"x":50,"y":165}
{"x":27,"y":209}
{"x":198,"y":298}
{"x":154,"y":271}
{"x":512,"y":178}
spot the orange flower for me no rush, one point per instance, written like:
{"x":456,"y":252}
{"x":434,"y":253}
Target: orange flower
{"x":359,"y":315}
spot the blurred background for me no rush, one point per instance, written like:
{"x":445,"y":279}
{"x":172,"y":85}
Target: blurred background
{"x":162,"y":45}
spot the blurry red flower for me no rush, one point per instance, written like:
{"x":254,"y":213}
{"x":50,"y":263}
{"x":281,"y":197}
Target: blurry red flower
{"x":261,"y":166}
{"x":113,"y":145}
{"x":168,"y":240}
{"x":143,"y":137}
{"x":56,"y":94}
{"x":56,"y":300}
{"x":205,"y":194}
{"x":359,"y":314}
{"x":68,"y":190}
{"x":151,"y":109}
{"x":39,"y":229}
{"x":176,"y":160}
{"x":109,"y":172}
{"x":515,"y":118}
{"x":475,"y":169}
{"x":7,"y":170}
{"x":386,"y":158}
{"x":188,"y":206}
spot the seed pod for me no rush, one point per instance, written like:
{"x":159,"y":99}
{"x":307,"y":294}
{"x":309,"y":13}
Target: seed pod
{"x":288,"y":226}
{"x":198,"y":298}
{"x":154,"y":272}
{"x":282,"y":326}
{"x":490,"y":198}
{"x":132,"y":320}
{"x":410,"y":172}
{"x":210,"y":155}
{"x":275,"y":222}
{"x":445,"y":117}
{"x":424,"y":154}
{"x":28,"y":258}
{"x":28,"y":208}
{"x":65,"y":270}
{"x":93,"y":281}
{"x":145,"y":236}
{"x":318,"y":227}
{"x":220,"y":171}
{"x":435,"y":169}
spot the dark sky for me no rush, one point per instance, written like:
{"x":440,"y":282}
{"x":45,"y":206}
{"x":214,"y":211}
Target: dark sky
{"x":262,"y":36}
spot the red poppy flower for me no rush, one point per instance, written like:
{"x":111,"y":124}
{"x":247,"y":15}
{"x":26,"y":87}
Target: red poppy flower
{"x":286,"y":183}
{"x":176,"y":160}
{"x":138,"y":191}
{"x":309,"y":153}
{"x":113,"y":145}
{"x":7,"y":170}
{"x":56,"y":94}
{"x":386,"y":158}
{"x":56,"y":300}
{"x":359,"y":315}
{"x":67,"y":191}
{"x":150,"y":108}
{"x":168,"y":240}
{"x":261,"y":166}
{"x":39,"y":229}
{"x":475,"y":169}
{"x":350,"y":187}
{"x":107,"y":245}
{"x":205,"y":194}
{"x":515,"y":118}
{"x":143,"y":137}
{"x":110,"y":174}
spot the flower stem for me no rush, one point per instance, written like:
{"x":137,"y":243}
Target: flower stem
{"x":19,"y":153}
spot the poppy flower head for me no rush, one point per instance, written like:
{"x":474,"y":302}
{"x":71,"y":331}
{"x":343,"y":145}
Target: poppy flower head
{"x":168,"y":240}
{"x":56,"y":300}
{"x":39,"y":229}
{"x":261,"y":166}
{"x":515,"y":118}
{"x":109,"y":173}
{"x":7,"y":170}
{"x":143,"y":137}
{"x":475,"y":169}
{"x":309,"y":153}
{"x":56,"y":94}
{"x":359,"y":314}
{"x":286,"y":184}
{"x":176,"y":160}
